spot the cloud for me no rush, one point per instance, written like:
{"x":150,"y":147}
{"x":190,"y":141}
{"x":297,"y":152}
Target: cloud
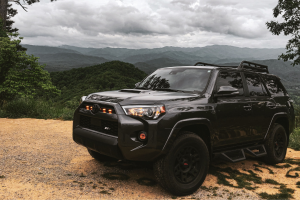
{"x":146,"y":23}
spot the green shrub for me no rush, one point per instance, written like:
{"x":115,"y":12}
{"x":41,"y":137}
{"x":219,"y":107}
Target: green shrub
{"x":295,"y":140}
{"x":35,"y":108}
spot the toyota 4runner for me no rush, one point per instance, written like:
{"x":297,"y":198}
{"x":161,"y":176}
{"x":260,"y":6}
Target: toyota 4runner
{"x":180,"y":118}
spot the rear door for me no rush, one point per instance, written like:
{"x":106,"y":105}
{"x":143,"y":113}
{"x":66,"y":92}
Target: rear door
{"x":263,"y":106}
{"x":278,"y":95}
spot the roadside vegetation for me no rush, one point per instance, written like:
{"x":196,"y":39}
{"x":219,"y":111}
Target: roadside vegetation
{"x":72,"y":85}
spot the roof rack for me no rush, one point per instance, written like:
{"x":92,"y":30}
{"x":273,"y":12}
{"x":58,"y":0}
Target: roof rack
{"x":257,"y":67}
{"x":243,"y":65}
{"x":206,"y":64}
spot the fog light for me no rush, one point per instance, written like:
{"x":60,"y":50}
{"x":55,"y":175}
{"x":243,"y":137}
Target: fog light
{"x":142,"y":136}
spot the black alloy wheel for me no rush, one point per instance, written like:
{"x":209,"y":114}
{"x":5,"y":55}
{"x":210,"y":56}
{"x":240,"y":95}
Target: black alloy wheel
{"x":279,"y":143}
{"x":187,"y":164}
{"x":184,"y":168}
{"x":276,"y":144}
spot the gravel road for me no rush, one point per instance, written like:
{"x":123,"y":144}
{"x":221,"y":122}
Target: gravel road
{"x":39,"y":160}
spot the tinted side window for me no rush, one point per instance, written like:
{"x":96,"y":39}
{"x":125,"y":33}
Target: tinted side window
{"x":254,"y":84}
{"x":274,"y":86}
{"x":232,"y":79}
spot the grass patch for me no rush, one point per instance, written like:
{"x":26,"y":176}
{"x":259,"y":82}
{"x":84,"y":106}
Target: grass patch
{"x":2,"y":176}
{"x":81,"y":184}
{"x":243,"y":180}
{"x":94,"y":186}
{"x":271,"y":181}
{"x":270,"y":170}
{"x":112,"y":188}
{"x":295,"y":140}
{"x":285,"y":193}
{"x":257,"y":169}
{"x":82,"y":175}
{"x":210,"y":189}
{"x":94,"y":173}
{"x":104,"y":192}
{"x":292,"y":161}
{"x":69,"y":174}
{"x":146,"y":181}
{"x":115,"y":176}
{"x":291,"y":170}
{"x":282,"y":166}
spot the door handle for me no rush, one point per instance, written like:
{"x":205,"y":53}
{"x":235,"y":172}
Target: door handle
{"x":271,"y":105}
{"x":247,"y":107}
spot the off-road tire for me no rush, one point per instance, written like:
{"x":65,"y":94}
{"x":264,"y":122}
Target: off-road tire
{"x":99,"y":157}
{"x":196,"y":163}
{"x":276,"y":139}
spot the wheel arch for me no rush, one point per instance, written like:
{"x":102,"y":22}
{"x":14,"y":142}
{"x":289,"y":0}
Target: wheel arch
{"x":199,"y":126}
{"x":282,"y":119}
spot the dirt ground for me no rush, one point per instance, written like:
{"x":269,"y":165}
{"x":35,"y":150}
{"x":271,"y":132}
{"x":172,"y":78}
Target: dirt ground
{"x":39,"y":160}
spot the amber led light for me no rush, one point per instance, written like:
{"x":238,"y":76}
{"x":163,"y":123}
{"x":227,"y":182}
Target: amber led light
{"x":142,"y":136}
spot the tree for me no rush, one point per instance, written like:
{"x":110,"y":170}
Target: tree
{"x":9,"y":22}
{"x":21,"y":74}
{"x":4,"y":8}
{"x":290,"y":12}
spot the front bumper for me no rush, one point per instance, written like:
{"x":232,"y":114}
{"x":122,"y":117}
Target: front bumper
{"x":124,"y":144}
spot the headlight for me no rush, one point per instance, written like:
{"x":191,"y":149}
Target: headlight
{"x":149,"y":112}
{"x":82,"y":99}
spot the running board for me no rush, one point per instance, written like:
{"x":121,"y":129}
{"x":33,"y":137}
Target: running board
{"x":239,"y":154}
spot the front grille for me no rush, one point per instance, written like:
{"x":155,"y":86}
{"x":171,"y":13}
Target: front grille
{"x":100,"y":125}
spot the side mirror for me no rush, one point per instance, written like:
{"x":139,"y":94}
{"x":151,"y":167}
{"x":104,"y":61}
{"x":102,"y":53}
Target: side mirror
{"x":136,"y":84}
{"x":226,"y":91}
{"x":82,"y":99}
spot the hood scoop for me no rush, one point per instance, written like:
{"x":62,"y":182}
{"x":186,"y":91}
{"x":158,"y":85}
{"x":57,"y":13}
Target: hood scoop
{"x":131,"y":90}
{"x":105,"y":98}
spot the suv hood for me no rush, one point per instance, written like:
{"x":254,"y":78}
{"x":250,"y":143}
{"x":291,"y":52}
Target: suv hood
{"x":135,"y":96}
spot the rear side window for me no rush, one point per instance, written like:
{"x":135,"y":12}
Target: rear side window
{"x":232,"y":79}
{"x":255,"y":86}
{"x":274,"y":86}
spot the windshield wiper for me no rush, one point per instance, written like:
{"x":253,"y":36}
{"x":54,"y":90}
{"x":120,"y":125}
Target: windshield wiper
{"x":173,"y":90}
{"x":143,"y":88}
{"x":167,"y":89}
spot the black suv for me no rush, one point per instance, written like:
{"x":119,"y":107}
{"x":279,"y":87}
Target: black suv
{"x":181,"y":118}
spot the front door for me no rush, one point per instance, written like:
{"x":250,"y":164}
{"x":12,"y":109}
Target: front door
{"x":233,"y":113}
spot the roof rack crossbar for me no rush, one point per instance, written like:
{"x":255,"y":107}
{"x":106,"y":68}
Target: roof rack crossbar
{"x":205,"y":64}
{"x":256,"y":67}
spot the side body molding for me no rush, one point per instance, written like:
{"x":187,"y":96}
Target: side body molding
{"x":275,"y":116}
{"x":186,"y":122}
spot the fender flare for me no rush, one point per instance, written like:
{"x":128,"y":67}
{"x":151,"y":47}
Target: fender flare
{"x":274,"y":118}
{"x":187,"y":122}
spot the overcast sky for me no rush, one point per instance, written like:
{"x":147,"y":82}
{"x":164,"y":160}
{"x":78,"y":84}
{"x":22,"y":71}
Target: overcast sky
{"x":149,"y":23}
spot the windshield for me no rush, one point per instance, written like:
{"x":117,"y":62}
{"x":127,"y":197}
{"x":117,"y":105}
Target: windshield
{"x":183,"y":79}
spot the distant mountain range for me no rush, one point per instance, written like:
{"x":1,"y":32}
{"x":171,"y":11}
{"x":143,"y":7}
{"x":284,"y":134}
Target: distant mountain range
{"x":67,"y":57}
